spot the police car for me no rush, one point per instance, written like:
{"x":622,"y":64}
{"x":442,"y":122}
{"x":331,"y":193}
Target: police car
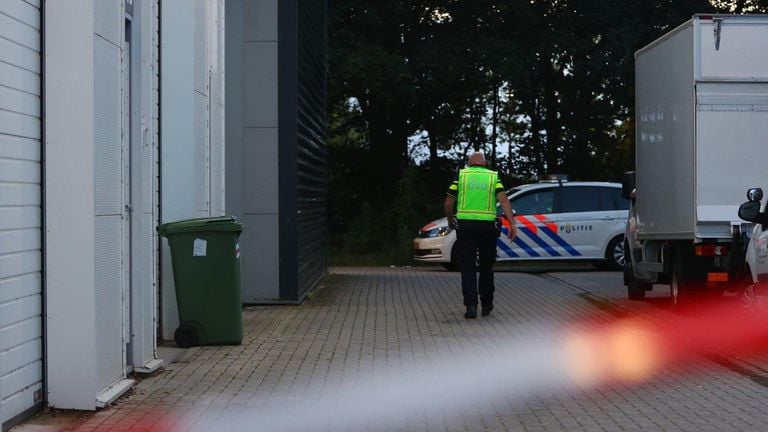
{"x":555,"y":221}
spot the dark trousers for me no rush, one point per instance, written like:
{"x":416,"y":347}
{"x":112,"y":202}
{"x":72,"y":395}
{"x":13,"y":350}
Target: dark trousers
{"x":476,"y":249}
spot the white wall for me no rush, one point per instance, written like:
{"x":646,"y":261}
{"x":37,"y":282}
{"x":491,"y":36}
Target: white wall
{"x":20,"y":213}
{"x":192,"y":112}
{"x":144,"y":193}
{"x":70,"y":225}
{"x":111,"y":176}
{"x":101,"y":201}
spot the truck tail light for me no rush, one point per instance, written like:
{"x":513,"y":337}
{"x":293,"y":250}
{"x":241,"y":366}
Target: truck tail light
{"x":717,"y":277}
{"x":710,"y":250}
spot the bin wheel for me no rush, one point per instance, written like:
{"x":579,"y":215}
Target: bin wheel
{"x":185,"y":337}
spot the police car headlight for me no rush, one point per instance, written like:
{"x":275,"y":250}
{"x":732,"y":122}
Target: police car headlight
{"x":436,"y":232}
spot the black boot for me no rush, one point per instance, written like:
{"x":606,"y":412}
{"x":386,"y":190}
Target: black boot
{"x":471,"y":312}
{"x":487,"y":308}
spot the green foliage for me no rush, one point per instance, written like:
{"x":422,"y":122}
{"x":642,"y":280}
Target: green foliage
{"x":552,"y":78}
{"x":381,"y":232}
{"x":741,"y":6}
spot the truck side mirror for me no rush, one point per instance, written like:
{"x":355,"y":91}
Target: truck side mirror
{"x":628,"y":185}
{"x":755,"y":194}
{"x":750,"y":211}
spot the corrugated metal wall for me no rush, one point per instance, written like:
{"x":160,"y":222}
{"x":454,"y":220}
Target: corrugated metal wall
{"x":20,"y":208}
{"x":156,"y":156}
{"x":110,"y":184}
{"x":144,"y":175}
{"x":311,"y":142}
{"x":302,"y":147}
{"x":276,"y":149}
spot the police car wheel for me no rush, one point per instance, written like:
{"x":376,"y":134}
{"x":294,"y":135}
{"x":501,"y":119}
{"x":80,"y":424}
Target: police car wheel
{"x":614,"y":253}
{"x":454,"y":264}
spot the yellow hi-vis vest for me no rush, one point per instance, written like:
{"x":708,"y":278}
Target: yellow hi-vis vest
{"x":477,"y":194}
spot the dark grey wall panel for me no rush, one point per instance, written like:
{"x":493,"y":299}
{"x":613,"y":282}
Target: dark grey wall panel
{"x":302,"y":120}
{"x":259,"y":259}
{"x":311,"y":144}
{"x":260,"y":84}
{"x":288,"y":85}
{"x":260,"y":154}
{"x":276,"y":149}
{"x":261,"y":16}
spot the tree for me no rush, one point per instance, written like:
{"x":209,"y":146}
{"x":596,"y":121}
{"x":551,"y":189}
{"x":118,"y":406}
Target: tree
{"x":553,"y":79}
{"x":741,"y":6}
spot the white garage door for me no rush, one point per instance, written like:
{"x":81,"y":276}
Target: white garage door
{"x":20,"y":197}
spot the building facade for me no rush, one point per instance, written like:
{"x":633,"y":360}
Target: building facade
{"x":21,"y":272}
{"x":192,"y":133}
{"x":117,"y":116}
{"x":276,"y":151}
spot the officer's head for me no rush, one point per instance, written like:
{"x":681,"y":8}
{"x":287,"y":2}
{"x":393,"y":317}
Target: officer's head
{"x":477,"y":159}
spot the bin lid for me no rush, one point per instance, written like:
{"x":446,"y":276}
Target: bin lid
{"x":219,"y":223}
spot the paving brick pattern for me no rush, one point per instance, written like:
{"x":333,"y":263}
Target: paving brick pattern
{"x":383,"y":319}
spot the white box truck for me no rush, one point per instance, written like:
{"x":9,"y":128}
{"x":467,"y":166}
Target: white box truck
{"x":701,"y":141}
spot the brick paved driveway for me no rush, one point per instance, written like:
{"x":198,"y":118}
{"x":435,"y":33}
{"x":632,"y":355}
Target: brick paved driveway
{"x":386,"y":319}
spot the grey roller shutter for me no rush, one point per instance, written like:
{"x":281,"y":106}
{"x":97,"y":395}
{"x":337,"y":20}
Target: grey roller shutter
{"x":20,"y":210}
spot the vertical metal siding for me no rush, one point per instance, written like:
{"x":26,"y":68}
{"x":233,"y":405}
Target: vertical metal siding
{"x":109,"y":191}
{"x":20,"y":209}
{"x":156,"y":152}
{"x":302,"y":147}
{"x":216,"y":106}
{"x":202,"y":152}
{"x":311,"y":144}
{"x":287,"y":84}
{"x":202,"y":106}
{"x":143,"y":221}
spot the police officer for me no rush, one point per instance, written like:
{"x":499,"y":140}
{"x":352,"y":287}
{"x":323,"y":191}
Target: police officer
{"x":474,"y":196}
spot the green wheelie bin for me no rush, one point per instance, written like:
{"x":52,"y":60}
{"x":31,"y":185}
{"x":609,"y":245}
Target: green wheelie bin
{"x":205,"y":254}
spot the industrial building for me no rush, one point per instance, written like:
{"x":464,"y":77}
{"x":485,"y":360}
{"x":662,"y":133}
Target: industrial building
{"x":276,"y":120}
{"x":115,"y":117}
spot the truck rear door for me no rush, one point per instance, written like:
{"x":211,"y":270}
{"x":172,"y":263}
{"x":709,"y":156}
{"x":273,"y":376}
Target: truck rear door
{"x":731,"y":71}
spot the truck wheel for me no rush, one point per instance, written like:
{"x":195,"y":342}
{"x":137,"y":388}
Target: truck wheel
{"x":615,"y":253}
{"x":674,"y":287}
{"x":680,"y":290}
{"x":635,"y":290}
